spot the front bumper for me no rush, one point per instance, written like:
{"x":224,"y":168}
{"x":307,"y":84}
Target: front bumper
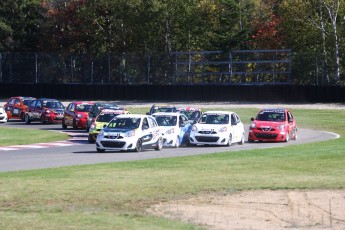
{"x":115,"y":144}
{"x":209,"y":139}
{"x":277,"y":136}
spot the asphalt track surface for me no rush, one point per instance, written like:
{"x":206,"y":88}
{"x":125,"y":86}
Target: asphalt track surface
{"x":82,"y":153}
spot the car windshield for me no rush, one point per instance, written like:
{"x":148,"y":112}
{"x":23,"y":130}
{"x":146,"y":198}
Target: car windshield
{"x":125,"y":123}
{"x":83,"y":108}
{"x":166,"y":120}
{"x":271,"y":116}
{"x":214,"y":119}
{"x":164,"y":109}
{"x":191,"y":115}
{"x":53,"y":104}
{"x":106,"y":117}
{"x":26,"y":102}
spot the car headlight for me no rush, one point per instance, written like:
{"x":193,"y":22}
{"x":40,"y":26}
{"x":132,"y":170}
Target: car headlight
{"x":48,"y":111}
{"x":101,"y":133}
{"x":194,"y":128}
{"x":130,"y":133}
{"x":253,"y":126}
{"x":224,"y":129}
{"x":79,"y":115}
{"x":281,"y":127}
{"x":170,"y":131}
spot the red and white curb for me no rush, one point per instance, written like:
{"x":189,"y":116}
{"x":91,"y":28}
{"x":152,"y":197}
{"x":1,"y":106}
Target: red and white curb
{"x":39,"y":145}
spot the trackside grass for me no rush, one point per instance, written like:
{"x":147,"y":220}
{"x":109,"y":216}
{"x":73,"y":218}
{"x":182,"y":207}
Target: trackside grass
{"x":117,"y":195}
{"x":14,"y":136}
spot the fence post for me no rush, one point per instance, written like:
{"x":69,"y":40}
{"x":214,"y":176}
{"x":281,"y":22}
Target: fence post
{"x":36,"y":69}
{"x":148,"y":69}
{"x":0,"y":67}
{"x":109,"y":68}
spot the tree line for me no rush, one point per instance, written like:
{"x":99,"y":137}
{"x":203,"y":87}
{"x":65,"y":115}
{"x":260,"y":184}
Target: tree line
{"x":312,"y":29}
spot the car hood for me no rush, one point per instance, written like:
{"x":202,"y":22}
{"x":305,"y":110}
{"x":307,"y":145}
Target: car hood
{"x":260,"y":124}
{"x":209,"y":127}
{"x":115,"y":130}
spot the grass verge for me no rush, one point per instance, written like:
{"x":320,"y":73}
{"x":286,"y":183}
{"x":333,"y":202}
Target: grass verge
{"x":116,"y":195}
{"x":15,"y":136}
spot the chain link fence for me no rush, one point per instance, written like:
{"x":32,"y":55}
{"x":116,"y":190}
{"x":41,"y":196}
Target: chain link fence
{"x":202,"y":67}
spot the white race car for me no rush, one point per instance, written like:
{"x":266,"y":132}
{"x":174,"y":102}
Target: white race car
{"x":130,"y":132}
{"x":217,"y":128}
{"x":3,"y":116}
{"x":175,"y":128}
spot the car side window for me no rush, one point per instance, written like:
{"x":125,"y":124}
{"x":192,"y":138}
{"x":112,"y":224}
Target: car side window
{"x":38,"y":104}
{"x":17,"y":102}
{"x":11,"y":102}
{"x":152,"y":122}
{"x":290,"y":117}
{"x":33,"y":103}
{"x":145,"y":124}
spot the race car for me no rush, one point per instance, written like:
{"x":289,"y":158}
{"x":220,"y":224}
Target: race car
{"x":175,"y":128}
{"x":162,"y":108}
{"x":274,"y":125}
{"x":96,"y":108}
{"x":76,"y":114}
{"x":217,"y":128}
{"x":103,"y":118}
{"x":193,"y":114}
{"x":46,"y":110}
{"x":15,"y":107}
{"x":131,"y":132}
{"x":3,"y":116}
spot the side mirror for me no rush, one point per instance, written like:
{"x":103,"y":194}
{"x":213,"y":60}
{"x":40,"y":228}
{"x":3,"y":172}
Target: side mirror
{"x":233,"y":123}
{"x":148,"y":113}
{"x":252,"y":119}
{"x":104,"y":126}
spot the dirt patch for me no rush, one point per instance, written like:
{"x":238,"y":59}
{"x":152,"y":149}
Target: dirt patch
{"x":264,"y":209}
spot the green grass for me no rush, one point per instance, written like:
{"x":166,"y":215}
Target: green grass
{"x":16,"y":136}
{"x":116,"y":195}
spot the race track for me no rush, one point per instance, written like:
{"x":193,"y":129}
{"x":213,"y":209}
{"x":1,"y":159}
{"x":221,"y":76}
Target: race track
{"x":80,"y":152}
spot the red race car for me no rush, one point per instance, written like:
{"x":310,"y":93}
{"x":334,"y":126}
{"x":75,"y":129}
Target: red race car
{"x":45,"y":110}
{"x":76,"y":114}
{"x":15,"y":107}
{"x":273,"y":125}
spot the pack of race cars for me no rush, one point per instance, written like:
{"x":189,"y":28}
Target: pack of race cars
{"x":112,"y":127}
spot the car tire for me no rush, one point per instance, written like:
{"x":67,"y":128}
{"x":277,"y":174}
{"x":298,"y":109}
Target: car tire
{"x":177,"y":143}
{"x":91,"y":139}
{"x":159,"y":144}
{"x":43,"y":119}
{"x":27,"y":119}
{"x":138,"y":146}
{"x":242,"y":140}
{"x":64,"y":126}
{"x":295,"y":136}
{"x":22,"y":116}
{"x":100,"y":150}
{"x":230,"y":140}
{"x":75,"y":124}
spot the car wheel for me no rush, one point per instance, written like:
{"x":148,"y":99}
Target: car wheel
{"x":138,"y":146}
{"x":177,"y":144}
{"x":22,"y":116}
{"x":159,"y":144}
{"x":100,"y":150}
{"x":75,"y":126}
{"x":230,"y":140}
{"x":242,"y":140}
{"x":295,"y":136}
{"x":64,"y":126}
{"x":287,"y":137}
{"x":91,"y":139}
{"x":43,"y":119}
{"x":27,"y":119}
